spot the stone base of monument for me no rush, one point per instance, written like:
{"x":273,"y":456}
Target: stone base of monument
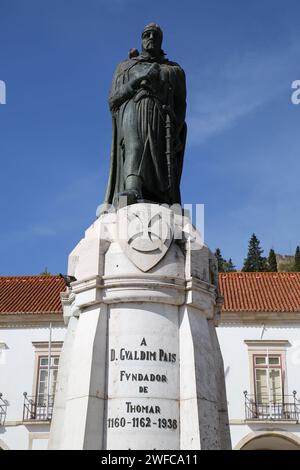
{"x":141,"y":366}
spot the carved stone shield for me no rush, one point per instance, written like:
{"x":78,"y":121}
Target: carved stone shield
{"x":145,"y":233}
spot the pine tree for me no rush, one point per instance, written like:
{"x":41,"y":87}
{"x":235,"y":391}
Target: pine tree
{"x":254,"y":262}
{"x":229,"y":266}
{"x":297,"y":260}
{"x":45,"y":272}
{"x":272,"y":262}
{"x":220,"y":260}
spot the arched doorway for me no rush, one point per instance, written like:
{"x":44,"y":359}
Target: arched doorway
{"x":3,"y":446}
{"x":269,"y":440}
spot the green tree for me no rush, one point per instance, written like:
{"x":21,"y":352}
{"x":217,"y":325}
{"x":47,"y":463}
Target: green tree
{"x":220,"y":260}
{"x":45,"y":272}
{"x":229,"y":267}
{"x":272,"y":262}
{"x":297,"y":260}
{"x":254,"y":262}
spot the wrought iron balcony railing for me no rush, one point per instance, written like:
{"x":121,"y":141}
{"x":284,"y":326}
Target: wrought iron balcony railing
{"x":3,"y":410}
{"x":288,"y":408}
{"x":38,"y":408}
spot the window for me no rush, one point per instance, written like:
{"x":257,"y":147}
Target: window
{"x":3,"y":348}
{"x":40,"y":375}
{"x":38,"y":405}
{"x":269,"y":398}
{"x":44,"y":372}
{"x":268,"y":379}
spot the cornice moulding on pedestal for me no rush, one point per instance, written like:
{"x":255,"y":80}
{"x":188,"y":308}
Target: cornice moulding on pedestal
{"x":127,"y":288}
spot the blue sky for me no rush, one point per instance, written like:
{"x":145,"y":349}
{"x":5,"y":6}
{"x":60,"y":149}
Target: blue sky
{"x":57,"y":58}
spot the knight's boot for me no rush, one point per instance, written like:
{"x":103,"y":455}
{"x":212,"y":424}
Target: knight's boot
{"x":133,"y":191}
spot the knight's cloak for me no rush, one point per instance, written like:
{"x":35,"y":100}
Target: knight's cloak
{"x":152,"y":167}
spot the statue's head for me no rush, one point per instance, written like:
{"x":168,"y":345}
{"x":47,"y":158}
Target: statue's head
{"x":152,"y":37}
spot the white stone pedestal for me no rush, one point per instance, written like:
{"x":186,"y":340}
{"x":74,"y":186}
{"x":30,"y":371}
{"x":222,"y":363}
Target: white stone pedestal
{"x":141,"y":366}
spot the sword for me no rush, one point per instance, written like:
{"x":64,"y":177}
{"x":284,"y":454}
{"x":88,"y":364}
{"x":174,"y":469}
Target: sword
{"x":170,"y":154}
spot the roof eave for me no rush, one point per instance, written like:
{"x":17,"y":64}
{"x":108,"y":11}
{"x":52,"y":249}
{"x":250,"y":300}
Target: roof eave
{"x":259,"y":317}
{"x":15,"y":319}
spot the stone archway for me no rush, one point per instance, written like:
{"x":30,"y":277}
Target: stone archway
{"x":269,"y":440}
{"x":3,"y":446}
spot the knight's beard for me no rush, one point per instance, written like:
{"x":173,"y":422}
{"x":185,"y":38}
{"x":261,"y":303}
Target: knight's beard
{"x":151,"y":51}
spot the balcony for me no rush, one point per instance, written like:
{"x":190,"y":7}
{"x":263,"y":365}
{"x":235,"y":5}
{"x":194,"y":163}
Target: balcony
{"x":287,"y":409}
{"x":3,"y":410}
{"x":37,"y":408}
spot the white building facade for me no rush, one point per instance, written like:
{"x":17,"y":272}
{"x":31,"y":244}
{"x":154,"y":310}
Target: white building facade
{"x":259,"y":335}
{"x":30,"y":316}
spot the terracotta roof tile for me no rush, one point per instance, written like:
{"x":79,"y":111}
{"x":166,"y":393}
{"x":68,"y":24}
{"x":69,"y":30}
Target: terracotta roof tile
{"x":248,"y":292}
{"x":260,"y":292}
{"x":31,"y":294}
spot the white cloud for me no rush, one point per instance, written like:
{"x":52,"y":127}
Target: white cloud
{"x":225,"y":93}
{"x":41,"y":231}
{"x":79,"y":187}
{"x":26,"y":233}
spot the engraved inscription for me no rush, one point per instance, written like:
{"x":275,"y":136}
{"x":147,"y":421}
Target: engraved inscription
{"x":132,"y":414}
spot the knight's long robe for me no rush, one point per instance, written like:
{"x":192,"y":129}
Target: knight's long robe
{"x":139,"y":136}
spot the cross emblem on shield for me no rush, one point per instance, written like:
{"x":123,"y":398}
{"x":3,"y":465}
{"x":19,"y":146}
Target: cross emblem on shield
{"x":145,"y":233}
